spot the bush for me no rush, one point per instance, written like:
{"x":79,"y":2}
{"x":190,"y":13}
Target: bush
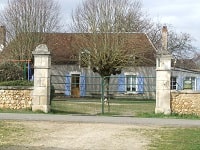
{"x":17,"y":83}
{"x":10,"y":71}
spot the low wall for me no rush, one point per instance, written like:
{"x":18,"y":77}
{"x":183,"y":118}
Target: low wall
{"x":15,"y":97}
{"x":185,"y":102}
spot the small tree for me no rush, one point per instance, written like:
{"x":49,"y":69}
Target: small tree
{"x":103,"y":35}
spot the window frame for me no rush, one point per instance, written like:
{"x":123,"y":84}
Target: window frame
{"x":173,"y":84}
{"x":193,"y":81}
{"x":133,"y":76}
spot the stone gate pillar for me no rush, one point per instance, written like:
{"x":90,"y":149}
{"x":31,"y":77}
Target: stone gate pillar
{"x":41,"y":92}
{"x":163,"y":77}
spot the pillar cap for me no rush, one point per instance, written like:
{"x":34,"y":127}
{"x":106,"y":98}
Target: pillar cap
{"x":41,"y":50}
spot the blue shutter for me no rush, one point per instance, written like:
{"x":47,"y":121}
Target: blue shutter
{"x":68,"y":85}
{"x":140,"y":84}
{"x":198,"y":84}
{"x":82,"y":85}
{"x":180,"y":83}
{"x":121,"y":83}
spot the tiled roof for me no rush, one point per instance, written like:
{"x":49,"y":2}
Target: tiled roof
{"x":184,"y":64}
{"x":64,"y":50}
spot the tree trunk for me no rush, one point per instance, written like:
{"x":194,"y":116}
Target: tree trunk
{"x":106,"y":91}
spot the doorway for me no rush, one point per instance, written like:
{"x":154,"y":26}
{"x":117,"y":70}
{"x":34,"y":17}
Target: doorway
{"x":75,"y":85}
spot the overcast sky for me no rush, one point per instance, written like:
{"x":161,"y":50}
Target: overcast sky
{"x":183,"y":15}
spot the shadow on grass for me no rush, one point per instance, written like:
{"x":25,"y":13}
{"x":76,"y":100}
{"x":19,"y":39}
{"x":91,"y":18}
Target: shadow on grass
{"x":64,"y":112}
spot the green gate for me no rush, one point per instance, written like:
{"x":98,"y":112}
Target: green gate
{"x":117,"y":97}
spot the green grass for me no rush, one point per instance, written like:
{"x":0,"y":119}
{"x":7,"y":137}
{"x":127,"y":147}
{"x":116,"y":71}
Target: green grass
{"x":4,"y":110}
{"x":175,"y":139}
{"x":139,"y":108}
{"x":17,"y":83}
{"x":173,"y":115}
{"x":130,"y":108}
{"x":11,"y":133}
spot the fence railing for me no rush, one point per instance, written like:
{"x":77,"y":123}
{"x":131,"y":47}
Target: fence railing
{"x":126,"y":87}
{"x":92,"y":85}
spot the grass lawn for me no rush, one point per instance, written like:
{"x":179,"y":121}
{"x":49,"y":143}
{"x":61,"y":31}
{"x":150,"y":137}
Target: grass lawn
{"x":175,"y":139}
{"x":10,"y":133}
{"x":94,"y":107}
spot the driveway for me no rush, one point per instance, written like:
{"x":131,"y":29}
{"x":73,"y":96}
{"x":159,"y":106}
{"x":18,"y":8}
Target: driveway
{"x":76,"y":132}
{"x":101,"y":119}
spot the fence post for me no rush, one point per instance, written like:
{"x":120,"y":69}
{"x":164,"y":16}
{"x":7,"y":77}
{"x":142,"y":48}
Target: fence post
{"x":102,"y":94}
{"x":42,"y":66}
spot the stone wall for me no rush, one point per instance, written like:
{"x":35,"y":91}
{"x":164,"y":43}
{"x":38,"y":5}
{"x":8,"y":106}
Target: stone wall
{"x":185,"y":102}
{"x":16,"y":97}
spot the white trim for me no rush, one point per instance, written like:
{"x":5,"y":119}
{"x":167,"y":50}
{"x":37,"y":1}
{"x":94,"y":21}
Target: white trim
{"x":130,"y":74}
{"x":75,"y":72}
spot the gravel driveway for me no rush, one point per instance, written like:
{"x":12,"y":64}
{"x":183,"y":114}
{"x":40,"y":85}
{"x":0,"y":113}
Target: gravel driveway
{"x":101,"y":119}
{"x":68,"y":132}
{"x":48,"y":135}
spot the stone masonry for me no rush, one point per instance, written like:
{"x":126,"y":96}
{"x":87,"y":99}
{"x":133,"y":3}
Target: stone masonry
{"x":16,"y":98}
{"x":42,"y":71}
{"x":163,"y":74}
{"x":185,"y":102}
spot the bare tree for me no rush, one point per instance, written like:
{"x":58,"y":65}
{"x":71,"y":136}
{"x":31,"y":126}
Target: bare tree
{"x":179,"y":44}
{"x":109,"y":16}
{"x":25,"y":20}
{"x":103,"y":38}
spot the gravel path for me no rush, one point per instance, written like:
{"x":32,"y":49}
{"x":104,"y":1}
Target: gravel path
{"x":101,"y":119}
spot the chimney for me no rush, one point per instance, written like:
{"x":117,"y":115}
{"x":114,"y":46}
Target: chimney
{"x":2,"y":36}
{"x":164,"y":40}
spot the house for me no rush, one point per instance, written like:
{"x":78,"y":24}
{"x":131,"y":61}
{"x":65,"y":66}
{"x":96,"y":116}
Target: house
{"x":72,"y":78}
{"x":134,"y":81}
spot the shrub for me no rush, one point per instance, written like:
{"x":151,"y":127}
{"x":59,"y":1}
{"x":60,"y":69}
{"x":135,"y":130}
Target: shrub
{"x":17,"y":83}
{"x":10,"y":71}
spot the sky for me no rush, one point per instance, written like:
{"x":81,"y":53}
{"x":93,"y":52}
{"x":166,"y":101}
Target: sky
{"x":183,"y":15}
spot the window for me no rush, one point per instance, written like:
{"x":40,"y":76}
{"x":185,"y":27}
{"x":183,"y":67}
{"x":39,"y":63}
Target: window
{"x":173,"y":83}
{"x":190,"y":81}
{"x":130,"y":83}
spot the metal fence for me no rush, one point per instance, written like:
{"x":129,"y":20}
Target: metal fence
{"x":93,"y":88}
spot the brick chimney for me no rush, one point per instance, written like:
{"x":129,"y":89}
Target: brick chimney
{"x":2,"y":37}
{"x":164,"y":40}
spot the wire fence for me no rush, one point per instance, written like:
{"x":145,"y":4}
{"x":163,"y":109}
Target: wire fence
{"x":94,"y":90}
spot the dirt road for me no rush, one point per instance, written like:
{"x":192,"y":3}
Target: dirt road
{"x":45,"y":135}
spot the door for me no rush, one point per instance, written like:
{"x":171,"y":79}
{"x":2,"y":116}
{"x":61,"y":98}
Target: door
{"x":75,"y":84}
